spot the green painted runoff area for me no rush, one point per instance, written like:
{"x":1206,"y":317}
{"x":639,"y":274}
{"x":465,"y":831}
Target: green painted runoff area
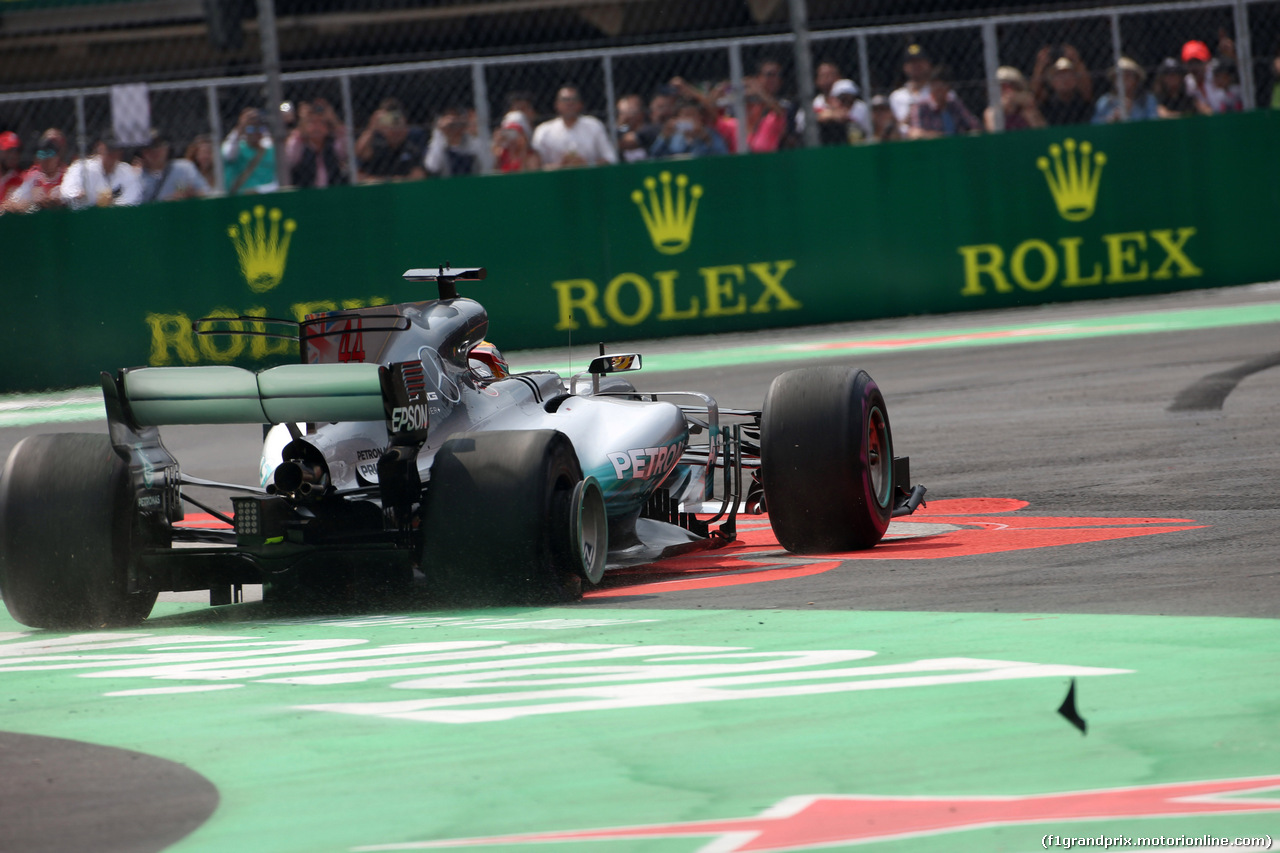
{"x":84,"y":404}
{"x":659,"y":249}
{"x":335,"y":734}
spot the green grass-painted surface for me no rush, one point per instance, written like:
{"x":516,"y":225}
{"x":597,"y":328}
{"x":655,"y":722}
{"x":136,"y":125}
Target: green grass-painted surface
{"x":1197,"y":700}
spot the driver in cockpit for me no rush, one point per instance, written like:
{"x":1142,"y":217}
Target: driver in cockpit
{"x":487,"y":362}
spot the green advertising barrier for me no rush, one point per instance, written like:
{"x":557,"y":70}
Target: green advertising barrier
{"x":665,"y":248}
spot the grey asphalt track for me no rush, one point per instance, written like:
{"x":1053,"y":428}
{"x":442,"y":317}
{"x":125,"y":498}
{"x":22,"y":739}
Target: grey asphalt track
{"x":1076,"y":427}
{"x":64,"y":795}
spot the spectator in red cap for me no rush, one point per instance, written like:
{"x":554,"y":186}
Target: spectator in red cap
{"x":1197,"y":50}
{"x":1200,"y":83}
{"x":41,"y":184}
{"x":10,"y":151}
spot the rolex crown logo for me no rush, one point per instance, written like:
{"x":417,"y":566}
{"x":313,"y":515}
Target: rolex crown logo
{"x":261,"y":248}
{"x":1074,"y":184}
{"x":669,"y":217}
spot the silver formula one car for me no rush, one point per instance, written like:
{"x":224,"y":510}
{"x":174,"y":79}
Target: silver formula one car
{"x":401,"y":451}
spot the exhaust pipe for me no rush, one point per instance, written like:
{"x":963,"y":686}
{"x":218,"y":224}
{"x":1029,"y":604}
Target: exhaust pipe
{"x":303,"y":475}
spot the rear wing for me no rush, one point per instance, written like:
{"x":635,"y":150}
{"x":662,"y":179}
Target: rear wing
{"x":139,"y":401}
{"x":291,"y":393}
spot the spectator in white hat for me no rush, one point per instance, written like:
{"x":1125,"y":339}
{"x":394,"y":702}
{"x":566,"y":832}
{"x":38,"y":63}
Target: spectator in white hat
{"x":511,"y":149}
{"x":1138,"y":104}
{"x":1016,"y":102}
{"x":845,"y":118}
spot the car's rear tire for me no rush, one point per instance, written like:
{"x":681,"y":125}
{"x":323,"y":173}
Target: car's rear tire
{"x":826,"y":460}
{"x":69,"y":530}
{"x":509,"y":519}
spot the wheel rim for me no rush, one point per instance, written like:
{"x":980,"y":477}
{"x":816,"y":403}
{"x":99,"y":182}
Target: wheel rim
{"x":879,"y":456}
{"x":591,"y":532}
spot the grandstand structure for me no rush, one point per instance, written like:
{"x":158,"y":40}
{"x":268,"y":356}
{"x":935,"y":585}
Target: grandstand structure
{"x":88,"y":42}
{"x":199,"y":62}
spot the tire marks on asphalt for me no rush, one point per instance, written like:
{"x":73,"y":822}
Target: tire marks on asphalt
{"x":1210,"y":392}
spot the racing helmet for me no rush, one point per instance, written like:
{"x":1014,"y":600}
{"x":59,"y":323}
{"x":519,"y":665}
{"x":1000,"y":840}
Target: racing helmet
{"x":491,"y":358}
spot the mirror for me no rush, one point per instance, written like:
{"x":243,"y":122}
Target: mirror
{"x":614,"y":363}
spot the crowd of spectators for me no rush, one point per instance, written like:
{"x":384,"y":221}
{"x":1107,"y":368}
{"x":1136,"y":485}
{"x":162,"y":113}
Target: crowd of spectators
{"x":678,"y":119}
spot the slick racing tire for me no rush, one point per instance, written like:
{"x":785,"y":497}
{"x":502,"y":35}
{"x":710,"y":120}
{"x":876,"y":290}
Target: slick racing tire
{"x":509,"y":519}
{"x":826,"y":460}
{"x":69,"y":531}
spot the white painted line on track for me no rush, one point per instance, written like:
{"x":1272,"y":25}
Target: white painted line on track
{"x":160,"y":691}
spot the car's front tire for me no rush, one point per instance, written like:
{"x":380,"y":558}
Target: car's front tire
{"x":826,"y":460}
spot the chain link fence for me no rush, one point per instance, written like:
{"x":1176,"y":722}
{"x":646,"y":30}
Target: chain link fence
{"x":379,"y":90}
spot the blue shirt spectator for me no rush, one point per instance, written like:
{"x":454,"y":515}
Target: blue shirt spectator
{"x":249,"y":156}
{"x":1138,"y":105}
{"x":688,"y":135}
{"x":939,"y":111}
